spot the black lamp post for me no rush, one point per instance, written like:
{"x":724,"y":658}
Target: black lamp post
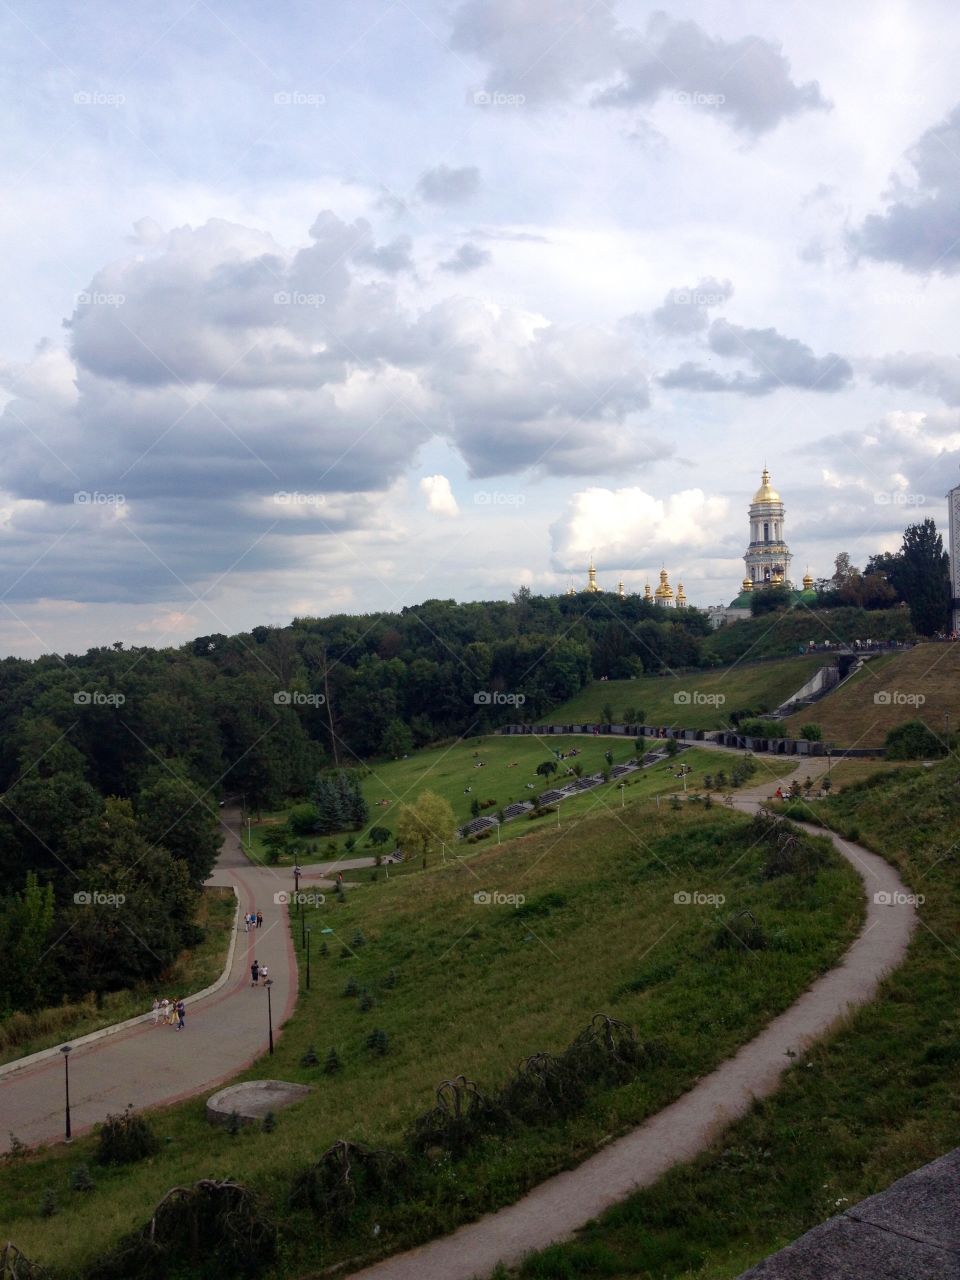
{"x":308,"y":959}
{"x":268,"y":984}
{"x":296,"y":879}
{"x":66,"y":1051}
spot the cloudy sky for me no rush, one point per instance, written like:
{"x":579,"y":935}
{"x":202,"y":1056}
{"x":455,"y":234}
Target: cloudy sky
{"x":318,"y":308}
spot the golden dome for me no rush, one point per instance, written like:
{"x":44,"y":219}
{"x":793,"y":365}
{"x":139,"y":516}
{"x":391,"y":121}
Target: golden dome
{"x":777,"y":580}
{"x":646,"y":591}
{"x":664,"y":591}
{"x":808,"y":581}
{"x":766,"y":492}
{"x":746,"y":584}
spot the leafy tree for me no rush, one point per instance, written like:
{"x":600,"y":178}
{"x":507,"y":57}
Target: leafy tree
{"x":426,"y":825}
{"x":547,"y":768}
{"x":922,"y":577}
{"x":812,"y":732}
{"x":768,"y":600}
{"x":380,"y":836}
{"x":397,"y":740}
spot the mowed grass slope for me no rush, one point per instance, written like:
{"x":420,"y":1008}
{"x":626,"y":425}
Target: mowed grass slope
{"x":760,"y":687}
{"x":885,"y":693}
{"x":500,"y":769}
{"x":477,"y":988}
{"x":855,"y":1113}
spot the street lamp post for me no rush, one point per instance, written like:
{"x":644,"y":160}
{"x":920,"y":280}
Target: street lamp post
{"x":296,"y":879}
{"x":622,"y":787}
{"x":308,"y":959}
{"x":66,"y":1050}
{"x":268,"y":984}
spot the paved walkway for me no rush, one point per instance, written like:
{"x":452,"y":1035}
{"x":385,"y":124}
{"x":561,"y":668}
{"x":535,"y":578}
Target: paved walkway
{"x":154,"y":1066}
{"x":555,"y":1209}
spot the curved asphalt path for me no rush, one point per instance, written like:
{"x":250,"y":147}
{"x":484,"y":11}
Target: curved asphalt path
{"x":155,"y":1066}
{"x":555,"y":1209}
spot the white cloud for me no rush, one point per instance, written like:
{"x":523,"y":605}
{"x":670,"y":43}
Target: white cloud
{"x":626,"y":527}
{"x":440,"y":499}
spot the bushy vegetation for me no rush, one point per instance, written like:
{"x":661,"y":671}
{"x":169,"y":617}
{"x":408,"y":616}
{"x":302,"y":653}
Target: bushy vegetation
{"x":856,"y":1112}
{"x":914,"y":741}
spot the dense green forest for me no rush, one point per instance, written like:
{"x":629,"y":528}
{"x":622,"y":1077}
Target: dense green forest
{"x":113,"y":763}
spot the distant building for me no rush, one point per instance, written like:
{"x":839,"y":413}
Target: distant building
{"x":767,"y":557}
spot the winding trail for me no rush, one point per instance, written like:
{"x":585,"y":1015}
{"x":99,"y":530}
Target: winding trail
{"x":154,"y":1066}
{"x":558,"y":1207}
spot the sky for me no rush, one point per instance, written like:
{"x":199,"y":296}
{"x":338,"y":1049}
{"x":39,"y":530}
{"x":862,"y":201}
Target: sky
{"x":331,"y":308}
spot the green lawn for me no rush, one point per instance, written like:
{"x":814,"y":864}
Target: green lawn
{"x":24,"y":1033}
{"x":854,"y":1114}
{"x":696,"y":700}
{"x":477,"y":988}
{"x":509,"y":764}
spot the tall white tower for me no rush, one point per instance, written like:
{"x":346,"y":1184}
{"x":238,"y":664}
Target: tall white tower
{"x":767,"y":557}
{"x":953,"y":506}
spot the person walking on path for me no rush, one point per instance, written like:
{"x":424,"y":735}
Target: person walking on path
{"x":156,"y":1010}
{"x":254,"y":973}
{"x":264,"y":972}
{"x":162,"y":1012}
{"x":259,"y":919}
{"x":181,"y":1013}
{"x":172,"y":1014}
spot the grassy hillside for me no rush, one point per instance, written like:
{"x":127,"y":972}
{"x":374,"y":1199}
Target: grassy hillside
{"x":883,"y":694}
{"x":783,"y":633}
{"x":509,"y":765}
{"x":854,"y":1114}
{"x":477,"y":987}
{"x":758,"y":687}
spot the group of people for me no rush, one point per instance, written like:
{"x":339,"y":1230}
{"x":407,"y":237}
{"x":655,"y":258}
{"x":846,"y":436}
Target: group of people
{"x":253,"y":920}
{"x":258,"y":971}
{"x":169,"y":1013}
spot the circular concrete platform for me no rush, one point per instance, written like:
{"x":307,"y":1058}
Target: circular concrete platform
{"x":253,"y":1099}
